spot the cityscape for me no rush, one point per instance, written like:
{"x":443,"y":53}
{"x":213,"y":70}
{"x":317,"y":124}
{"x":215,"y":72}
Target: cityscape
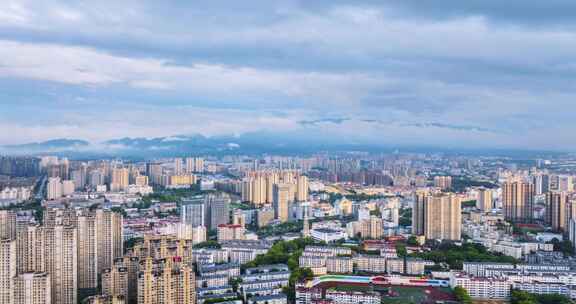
{"x":287,"y":152}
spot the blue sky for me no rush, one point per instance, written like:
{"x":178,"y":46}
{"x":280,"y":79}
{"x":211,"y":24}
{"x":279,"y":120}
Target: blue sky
{"x":477,"y":73}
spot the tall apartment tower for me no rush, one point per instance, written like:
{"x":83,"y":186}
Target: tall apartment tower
{"x":443,"y":182}
{"x":437,"y":216}
{"x":178,"y":166}
{"x":87,"y":255}
{"x":518,"y":200}
{"x":272,"y":178}
{"x":32,"y":288}
{"x":109,"y":238}
{"x":484,"y":200}
{"x":30,"y":249}
{"x":7,"y":269}
{"x":282,"y":202}
{"x":556,"y":207}
{"x":302,"y":188}
{"x":119,"y":179}
{"x":418,"y":212}
{"x":7,"y":224}
{"x":53,"y":188}
{"x":115,"y":281}
{"x":166,"y":282}
{"x":193,"y":212}
{"x":218,"y":209}
{"x":61,"y":263}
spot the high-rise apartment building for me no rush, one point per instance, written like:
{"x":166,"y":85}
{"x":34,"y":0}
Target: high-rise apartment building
{"x":302,"y":189}
{"x":541,"y":183}
{"x":109,"y":238}
{"x":484,"y":200}
{"x":556,"y":207}
{"x":193,"y":212}
{"x":119,"y":179}
{"x":87,"y":253}
{"x":518,"y":201}
{"x":61,"y":263}
{"x":166,"y":282}
{"x":218,"y":208}
{"x":53,"y":188}
{"x":115,"y":281}
{"x":437,"y":216}
{"x":32,"y":288}
{"x":282,"y":200}
{"x":7,"y":224}
{"x":443,"y":182}
{"x":7,"y":269}
{"x":178,"y":166}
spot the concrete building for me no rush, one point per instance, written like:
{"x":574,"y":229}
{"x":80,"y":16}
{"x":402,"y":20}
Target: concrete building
{"x":166,"y":282}
{"x":484,"y":200}
{"x":7,"y":269}
{"x":443,"y":182}
{"x":437,"y":216}
{"x":193,"y":212}
{"x":282,"y":200}
{"x":7,"y":224}
{"x":32,"y":288}
{"x":556,"y":211}
{"x":61,"y":262}
{"x":109,"y":238}
{"x":518,"y":201}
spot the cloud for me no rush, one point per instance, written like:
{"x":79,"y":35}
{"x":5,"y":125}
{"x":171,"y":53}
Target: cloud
{"x":479,"y":71}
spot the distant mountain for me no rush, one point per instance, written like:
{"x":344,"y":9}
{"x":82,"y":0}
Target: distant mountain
{"x":54,"y":145}
{"x":287,"y":143}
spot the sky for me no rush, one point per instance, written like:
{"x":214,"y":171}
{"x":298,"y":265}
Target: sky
{"x":474,"y":74}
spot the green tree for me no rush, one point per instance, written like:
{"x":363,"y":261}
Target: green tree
{"x":462,"y":295}
{"x":119,"y":210}
{"x":522,"y":297}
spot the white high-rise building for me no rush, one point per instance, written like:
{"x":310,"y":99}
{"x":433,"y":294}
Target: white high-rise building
{"x":54,"y":188}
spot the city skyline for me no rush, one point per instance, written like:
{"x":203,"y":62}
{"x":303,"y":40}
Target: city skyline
{"x":480,"y":74}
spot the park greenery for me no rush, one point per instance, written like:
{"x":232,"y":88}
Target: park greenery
{"x":280,"y":229}
{"x":208,"y":244}
{"x":460,"y":183}
{"x":454,"y":255}
{"x":470,"y":203}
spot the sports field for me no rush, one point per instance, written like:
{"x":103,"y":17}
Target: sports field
{"x":416,"y":295}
